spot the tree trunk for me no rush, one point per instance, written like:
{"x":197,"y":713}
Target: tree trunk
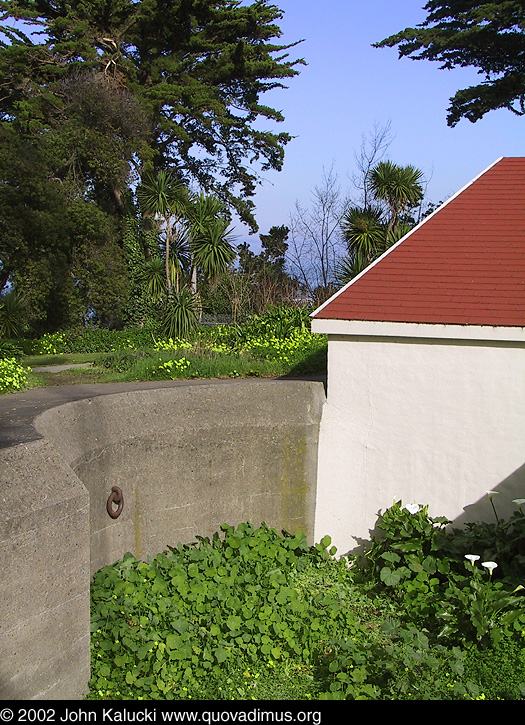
{"x":167,"y":261}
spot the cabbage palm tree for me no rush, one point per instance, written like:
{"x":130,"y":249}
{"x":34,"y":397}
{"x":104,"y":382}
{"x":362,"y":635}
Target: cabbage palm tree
{"x":13,"y":311}
{"x":369,"y":231}
{"x":153,"y":275}
{"x":349,"y":267}
{"x":210,"y":239}
{"x":364,"y":232}
{"x":399,"y":186}
{"x":167,"y":200}
{"x":196,"y":237}
{"x":180,"y":314}
{"x":398,"y":233}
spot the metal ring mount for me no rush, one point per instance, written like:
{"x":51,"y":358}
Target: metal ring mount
{"x":115,"y":497}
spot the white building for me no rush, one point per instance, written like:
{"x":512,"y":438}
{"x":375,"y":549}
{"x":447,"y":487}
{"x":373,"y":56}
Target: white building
{"x":426,"y":368}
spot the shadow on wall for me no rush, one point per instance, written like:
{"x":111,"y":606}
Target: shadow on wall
{"x":510,"y":489}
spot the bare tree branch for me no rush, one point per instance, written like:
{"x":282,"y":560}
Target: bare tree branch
{"x":373,"y":148}
{"x":316,"y":244}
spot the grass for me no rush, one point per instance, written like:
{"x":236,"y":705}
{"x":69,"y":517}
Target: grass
{"x":149,"y":366}
{"x":197,"y":360}
{"x":278,"y":343}
{"x":72,"y":358}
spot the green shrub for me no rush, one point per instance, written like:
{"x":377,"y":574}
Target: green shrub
{"x":502,"y":540}
{"x":281,"y":339}
{"x":50,"y":344}
{"x":13,"y":314}
{"x":92,"y":340}
{"x":10,"y":349}
{"x":179,"y":315}
{"x":403,"y":665}
{"x":172,"y":626}
{"x":13,"y":376}
{"x":424,"y":566}
{"x":101,"y":340}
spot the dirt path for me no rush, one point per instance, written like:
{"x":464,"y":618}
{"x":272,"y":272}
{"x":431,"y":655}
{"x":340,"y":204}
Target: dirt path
{"x":59,"y":368}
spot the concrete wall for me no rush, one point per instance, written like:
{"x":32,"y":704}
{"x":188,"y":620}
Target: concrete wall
{"x":428,"y":421}
{"x":44,"y":592}
{"x":187,"y":459}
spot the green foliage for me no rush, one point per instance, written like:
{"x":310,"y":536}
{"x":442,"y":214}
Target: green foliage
{"x":166,"y":200}
{"x":13,"y":376}
{"x":480,"y":609}
{"x":13,"y":313}
{"x":50,"y":344}
{"x":251,"y":614}
{"x":172,"y":369}
{"x":179,"y":315}
{"x":282,"y":335}
{"x":124,"y":360}
{"x":35,"y":226}
{"x":501,"y":541}
{"x":10,"y":349}
{"x":154,"y":278}
{"x":402,"y":665}
{"x":370,"y":230}
{"x":172,"y":89}
{"x":278,"y":321}
{"x":176,"y":83}
{"x":172,"y":627}
{"x":258,"y":282}
{"x":146,"y":286}
{"x":277,"y":343}
{"x":212,"y":248}
{"x":98,"y":267}
{"x":274,"y":243}
{"x":487,"y":36}
{"x":435,"y":577}
{"x":507,"y":659}
{"x":92,"y":339}
{"x":398,"y":186}
{"x":364,"y":231}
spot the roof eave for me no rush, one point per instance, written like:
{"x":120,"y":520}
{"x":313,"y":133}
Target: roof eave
{"x":365,"y":328}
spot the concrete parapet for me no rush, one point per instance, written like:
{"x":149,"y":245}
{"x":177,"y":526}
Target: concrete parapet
{"x":44,"y":599}
{"x":187,"y":460}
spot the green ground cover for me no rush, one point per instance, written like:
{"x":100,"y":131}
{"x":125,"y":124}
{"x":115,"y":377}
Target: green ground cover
{"x":253,"y":614}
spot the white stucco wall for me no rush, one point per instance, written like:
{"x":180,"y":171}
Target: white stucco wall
{"x":426,"y":420}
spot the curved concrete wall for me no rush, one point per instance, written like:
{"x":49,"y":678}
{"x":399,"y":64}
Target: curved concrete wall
{"x":187,"y":460}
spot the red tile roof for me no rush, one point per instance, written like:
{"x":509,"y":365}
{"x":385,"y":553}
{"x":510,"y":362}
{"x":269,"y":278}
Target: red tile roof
{"x":464,"y":265}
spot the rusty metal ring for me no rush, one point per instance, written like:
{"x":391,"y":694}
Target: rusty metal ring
{"x":116,"y":496}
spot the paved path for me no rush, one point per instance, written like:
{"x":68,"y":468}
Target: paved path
{"x":18,"y":410}
{"x":59,"y":368}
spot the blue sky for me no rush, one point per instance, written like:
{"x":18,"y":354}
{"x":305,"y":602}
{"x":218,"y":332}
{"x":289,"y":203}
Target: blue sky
{"x":348,"y":86}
